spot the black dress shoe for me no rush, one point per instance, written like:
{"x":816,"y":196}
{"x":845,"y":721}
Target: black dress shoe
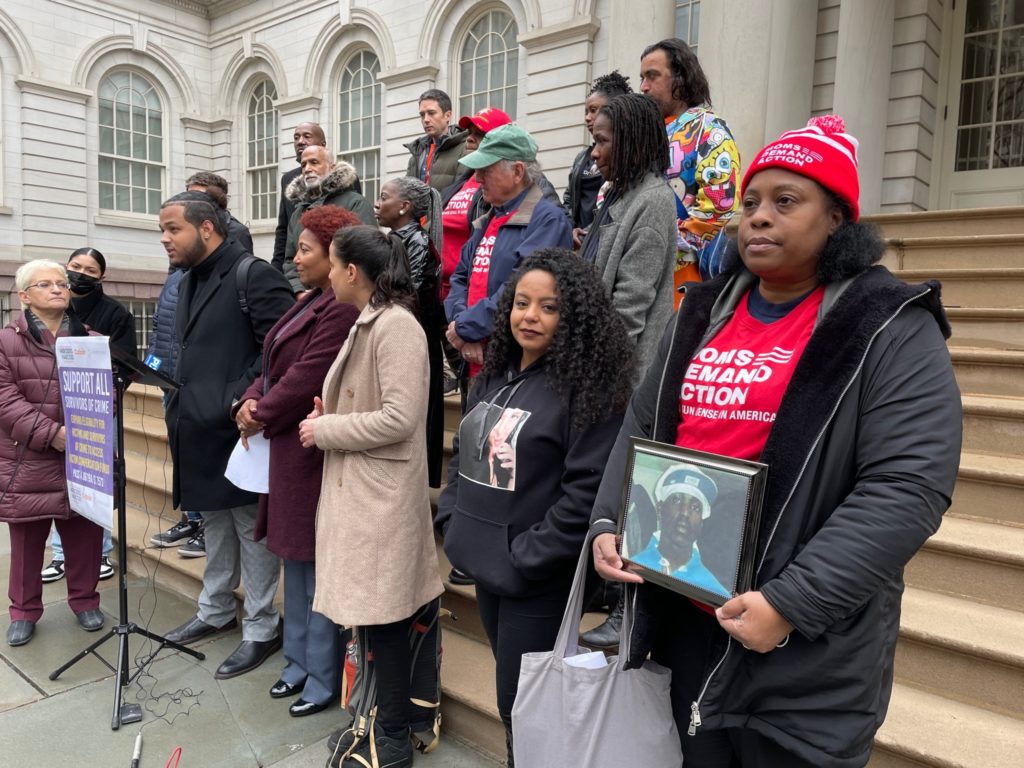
{"x":20,"y":632}
{"x":195,"y":629}
{"x":282,"y":690}
{"x":301,"y":708}
{"x":90,"y":620}
{"x":247,"y":656}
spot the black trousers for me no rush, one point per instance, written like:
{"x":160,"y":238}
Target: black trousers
{"x":686,"y":638}
{"x":515,"y":626}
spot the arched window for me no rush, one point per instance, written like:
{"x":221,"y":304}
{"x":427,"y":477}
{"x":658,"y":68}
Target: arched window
{"x":489,"y":65}
{"x":359,"y":123}
{"x":261,"y":151}
{"x":131,"y":160}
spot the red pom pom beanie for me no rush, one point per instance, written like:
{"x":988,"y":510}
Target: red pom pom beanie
{"x":821,"y":151}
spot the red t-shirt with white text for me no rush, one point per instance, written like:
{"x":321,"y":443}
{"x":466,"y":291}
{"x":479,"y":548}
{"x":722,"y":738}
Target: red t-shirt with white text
{"x":457,"y":229}
{"x":733,"y":387}
{"x":477,"y":288}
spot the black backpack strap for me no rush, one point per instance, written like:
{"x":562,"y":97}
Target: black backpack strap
{"x":242,"y":280}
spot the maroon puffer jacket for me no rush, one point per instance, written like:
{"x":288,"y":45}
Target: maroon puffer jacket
{"x":28,"y":378}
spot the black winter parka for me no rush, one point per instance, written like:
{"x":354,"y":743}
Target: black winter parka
{"x":862,"y":461}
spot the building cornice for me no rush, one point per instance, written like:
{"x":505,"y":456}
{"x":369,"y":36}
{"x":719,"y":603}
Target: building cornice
{"x":47,"y":88}
{"x":189,"y":6}
{"x":580,"y":29}
{"x":220,"y":124}
{"x":299,"y":103}
{"x":421,"y":71}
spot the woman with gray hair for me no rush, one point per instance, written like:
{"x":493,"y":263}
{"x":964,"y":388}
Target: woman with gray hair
{"x":33,"y":488}
{"x":402,"y":204}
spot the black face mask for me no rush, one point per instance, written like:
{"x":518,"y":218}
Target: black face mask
{"x":81,"y":283}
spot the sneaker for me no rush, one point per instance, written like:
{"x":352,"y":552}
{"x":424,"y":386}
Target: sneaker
{"x":106,"y":568}
{"x":195,"y":546}
{"x":394,"y":750}
{"x":53,"y":572}
{"x":172,"y":537}
{"x":451,"y":384}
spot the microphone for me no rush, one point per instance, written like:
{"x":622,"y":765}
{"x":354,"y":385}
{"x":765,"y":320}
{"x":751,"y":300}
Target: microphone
{"x":138,"y":751}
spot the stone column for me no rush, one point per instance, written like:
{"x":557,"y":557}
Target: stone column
{"x":790,"y":66}
{"x":55,"y":168}
{"x":634,"y":26}
{"x":400,"y":118}
{"x":558,"y":73}
{"x":863,"y":69}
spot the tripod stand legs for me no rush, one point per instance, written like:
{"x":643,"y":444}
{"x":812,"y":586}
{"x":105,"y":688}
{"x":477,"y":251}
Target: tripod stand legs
{"x":121,"y":678}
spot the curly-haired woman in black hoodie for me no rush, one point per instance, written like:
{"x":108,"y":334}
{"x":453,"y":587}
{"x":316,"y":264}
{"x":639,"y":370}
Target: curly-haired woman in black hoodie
{"x":539,"y":424}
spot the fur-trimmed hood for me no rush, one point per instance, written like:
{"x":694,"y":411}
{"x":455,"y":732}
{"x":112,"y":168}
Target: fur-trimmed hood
{"x":341,"y":178}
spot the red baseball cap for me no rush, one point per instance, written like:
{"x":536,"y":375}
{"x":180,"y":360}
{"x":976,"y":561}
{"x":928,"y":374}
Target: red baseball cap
{"x":487,"y":119}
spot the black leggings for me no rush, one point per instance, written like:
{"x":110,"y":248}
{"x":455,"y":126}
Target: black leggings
{"x":514,"y":626}
{"x":389,"y":644}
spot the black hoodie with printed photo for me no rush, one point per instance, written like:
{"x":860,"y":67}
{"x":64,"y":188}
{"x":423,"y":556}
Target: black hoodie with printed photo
{"x":521,"y":483}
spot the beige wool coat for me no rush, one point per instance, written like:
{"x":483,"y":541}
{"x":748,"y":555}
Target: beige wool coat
{"x":375,"y":556}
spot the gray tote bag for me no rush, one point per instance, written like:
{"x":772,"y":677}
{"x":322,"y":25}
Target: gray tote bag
{"x":566,"y":716}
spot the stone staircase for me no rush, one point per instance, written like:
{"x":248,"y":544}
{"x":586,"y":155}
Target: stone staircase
{"x":959,"y":694}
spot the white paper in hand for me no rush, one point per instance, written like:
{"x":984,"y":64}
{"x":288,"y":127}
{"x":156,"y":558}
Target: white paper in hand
{"x":250,"y":469}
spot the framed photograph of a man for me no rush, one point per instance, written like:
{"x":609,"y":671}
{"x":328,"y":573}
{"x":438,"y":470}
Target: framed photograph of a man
{"x":689,"y":519}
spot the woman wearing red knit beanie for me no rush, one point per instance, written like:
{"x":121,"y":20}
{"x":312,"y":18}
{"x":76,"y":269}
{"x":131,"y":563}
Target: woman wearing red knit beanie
{"x":857,"y":414}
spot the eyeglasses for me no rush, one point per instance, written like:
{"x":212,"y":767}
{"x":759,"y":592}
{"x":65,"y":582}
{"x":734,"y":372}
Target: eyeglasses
{"x":45,"y":285}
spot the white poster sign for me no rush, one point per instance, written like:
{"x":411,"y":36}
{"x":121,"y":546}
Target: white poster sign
{"x":87,"y":397}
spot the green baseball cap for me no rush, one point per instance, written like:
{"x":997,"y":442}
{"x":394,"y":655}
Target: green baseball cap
{"x":506,"y":142}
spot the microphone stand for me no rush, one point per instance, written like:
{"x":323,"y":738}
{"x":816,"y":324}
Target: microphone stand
{"x":126,"y":369}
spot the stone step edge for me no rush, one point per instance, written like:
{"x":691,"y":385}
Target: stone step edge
{"x":954,"y":241}
{"x":993,"y":406}
{"x":984,"y":313}
{"x":944,"y":733}
{"x":964,"y":626}
{"x":467,"y":649}
{"x":981,"y":540}
{"x":135,"y":422}
{"x":960,"y":273}
{"x":966,"y":354}
{"x":949,"y":214}
{"x":1000,"y":470}
{"x":153,"y":473}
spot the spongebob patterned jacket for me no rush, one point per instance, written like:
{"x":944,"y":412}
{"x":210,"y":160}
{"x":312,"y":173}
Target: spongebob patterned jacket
{"x":704,"y":172}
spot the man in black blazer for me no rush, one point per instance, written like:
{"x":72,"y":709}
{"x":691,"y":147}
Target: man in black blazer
{"x":219,"y":354}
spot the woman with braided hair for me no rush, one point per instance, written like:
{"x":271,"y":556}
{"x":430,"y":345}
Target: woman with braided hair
{"x":632,"y":239}
{"x":585,"y":177}
{"x":402,"y":204}
{"x":540,"y":420}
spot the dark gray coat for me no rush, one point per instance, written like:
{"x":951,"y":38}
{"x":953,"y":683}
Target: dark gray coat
{"x":635,"y":257}
{"x":219,"y":355}
{"x":862,"y":461}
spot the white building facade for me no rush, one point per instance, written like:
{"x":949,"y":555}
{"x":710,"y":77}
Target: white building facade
{"x":107,"y":106}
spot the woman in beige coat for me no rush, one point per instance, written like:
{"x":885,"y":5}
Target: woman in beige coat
{"x":376,"y":562}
